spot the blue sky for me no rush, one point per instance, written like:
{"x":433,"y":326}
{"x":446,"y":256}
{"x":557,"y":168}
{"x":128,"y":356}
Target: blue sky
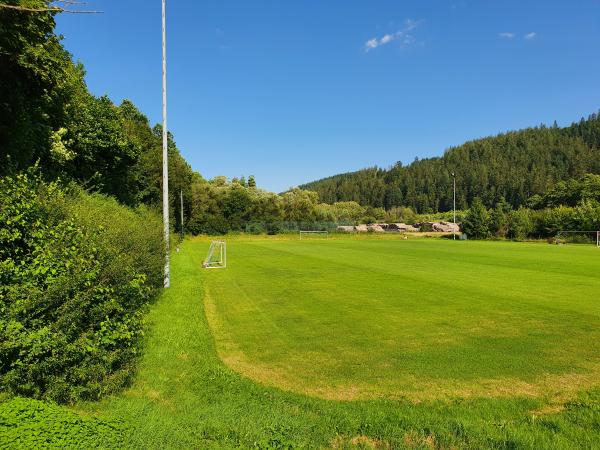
{"x":295,"y":90}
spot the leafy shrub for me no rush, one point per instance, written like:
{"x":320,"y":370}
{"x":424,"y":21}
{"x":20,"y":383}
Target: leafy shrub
{"x":520,"y":224}
{"x":75,"y":274}
{"x":548,"y":222}
{"x":27,"y":423}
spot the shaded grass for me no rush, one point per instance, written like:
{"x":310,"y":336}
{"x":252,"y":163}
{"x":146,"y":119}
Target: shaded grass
{"x":184,"y":397}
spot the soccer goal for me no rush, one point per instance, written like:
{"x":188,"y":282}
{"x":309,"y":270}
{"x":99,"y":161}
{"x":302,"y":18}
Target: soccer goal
{"x":217,"y":256}
{"x":311,"y":234}
{"x":578,"y":237}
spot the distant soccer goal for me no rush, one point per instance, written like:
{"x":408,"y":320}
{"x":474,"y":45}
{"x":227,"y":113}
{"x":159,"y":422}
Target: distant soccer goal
{"x":578,"y":237}
{"x":217,"y":256}
{"x":314,"y":234}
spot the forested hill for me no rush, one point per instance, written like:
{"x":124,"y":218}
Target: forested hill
{"x":514,"y":165}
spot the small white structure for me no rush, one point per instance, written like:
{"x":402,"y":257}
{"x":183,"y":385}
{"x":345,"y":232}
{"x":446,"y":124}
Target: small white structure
{"x":217,"y":256}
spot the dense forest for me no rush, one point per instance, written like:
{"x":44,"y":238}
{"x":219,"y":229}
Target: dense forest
{"x":513,"y":166}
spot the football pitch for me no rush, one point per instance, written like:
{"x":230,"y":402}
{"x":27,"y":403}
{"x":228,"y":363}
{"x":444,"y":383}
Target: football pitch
{"x":362,"y":318}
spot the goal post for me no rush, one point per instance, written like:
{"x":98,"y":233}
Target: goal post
{"x":217,"y":256}
{"x":578,"y":237}
{"x":310,"y":234}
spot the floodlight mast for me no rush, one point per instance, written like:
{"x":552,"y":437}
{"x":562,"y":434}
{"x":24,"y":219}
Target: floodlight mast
{"x":454,"y":206}
{"x":165,"y":142}
{"x":181,"y":210}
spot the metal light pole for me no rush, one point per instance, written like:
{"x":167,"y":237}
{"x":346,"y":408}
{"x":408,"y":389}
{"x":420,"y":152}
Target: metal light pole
{"x":454,"y":206}
{"x":181,"y":210}
{"x":165,"y":138}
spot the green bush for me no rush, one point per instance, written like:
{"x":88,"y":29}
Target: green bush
{"x":520,"y":224}
{"x":27,"y":424}
{"x":477,"y":221}
{"x":75,"y":274}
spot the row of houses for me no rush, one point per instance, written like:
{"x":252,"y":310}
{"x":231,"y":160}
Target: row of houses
{"x":438,"y":227}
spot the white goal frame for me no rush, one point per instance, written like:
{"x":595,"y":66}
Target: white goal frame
{"x":216,"y":260}
{"x":309,"y":233}
{"x":589,"y":233}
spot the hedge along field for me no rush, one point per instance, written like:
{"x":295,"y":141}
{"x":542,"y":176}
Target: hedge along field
{"x":350,"y":319}
{"x":185,"y":397}
{"x":76,"y":274}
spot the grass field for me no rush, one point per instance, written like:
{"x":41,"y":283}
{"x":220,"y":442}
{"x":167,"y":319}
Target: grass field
{"x":354,"y":319}
{"x":426,"y":336}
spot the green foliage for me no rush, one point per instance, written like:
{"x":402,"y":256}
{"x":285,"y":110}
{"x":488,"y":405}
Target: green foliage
{"x":402,"y":214}
{"x":520,"y":224}
{"x":476,"y":223}
{"x":570,"y":206}
{"x":499,"y":218}
{"x":587,"y":215}
{"x":48,"y":115}
{"x":38,"y":82}
{"x":514,"y":165}
{"x":299,"y":205}
{"x":75,"y":274}
{"x":568,"y":193}
{"x":27,"y":424}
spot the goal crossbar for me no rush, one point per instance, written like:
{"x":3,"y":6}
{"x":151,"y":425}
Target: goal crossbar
{"x":308,"y":233}
{"x":217,"y":256}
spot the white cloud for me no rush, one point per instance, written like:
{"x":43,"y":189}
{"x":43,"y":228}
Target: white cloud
{"x":386,"y":39}
{"x":403,"y":36}
{"x":371,"y":44}
{"x":506,"y":35}
{"x":531,"y":35}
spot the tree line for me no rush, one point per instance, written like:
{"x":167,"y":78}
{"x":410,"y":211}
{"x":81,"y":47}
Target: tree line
{"x":515,"y":166}
{"x":572,"y":206}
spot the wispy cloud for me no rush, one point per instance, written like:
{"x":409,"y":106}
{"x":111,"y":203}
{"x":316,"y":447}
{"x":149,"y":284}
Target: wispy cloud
{"x":531,"y":35}
{"x":403,"y":36}
{"x":506,"y":35}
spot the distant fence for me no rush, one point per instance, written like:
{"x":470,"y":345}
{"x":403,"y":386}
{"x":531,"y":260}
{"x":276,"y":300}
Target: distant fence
{"x":290,"y":226}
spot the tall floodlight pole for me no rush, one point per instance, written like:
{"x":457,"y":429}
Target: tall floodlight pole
{"x":165,"y":136}
{"x":181,"y":210}
{"x":454,"y":206}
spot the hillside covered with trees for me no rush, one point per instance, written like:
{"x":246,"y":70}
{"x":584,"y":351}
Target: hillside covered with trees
{"x":514,"y":166}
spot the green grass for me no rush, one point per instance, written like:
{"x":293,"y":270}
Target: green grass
{"x":348,"y":319}
{"x":184,"y":396}
{"x":28,"y":424}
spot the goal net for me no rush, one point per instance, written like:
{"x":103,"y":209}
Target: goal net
{"x":578,"y":237}
{"x":314,"y":234}
{"x":217,"y":256}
